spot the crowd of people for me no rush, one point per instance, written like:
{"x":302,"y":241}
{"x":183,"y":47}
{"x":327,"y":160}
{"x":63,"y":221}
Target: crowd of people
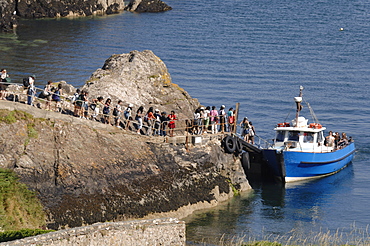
{"x":150,"y":122}
{"x":336,"y":140}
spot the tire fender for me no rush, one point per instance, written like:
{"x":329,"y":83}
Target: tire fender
{"x":229,"y":144}
{"x":246,"y":161}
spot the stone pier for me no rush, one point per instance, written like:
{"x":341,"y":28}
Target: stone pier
{"x":165,"y":231}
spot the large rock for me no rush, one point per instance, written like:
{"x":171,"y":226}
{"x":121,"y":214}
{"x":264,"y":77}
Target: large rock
{"x":140,"y":78}
{"x":63,"y":8}
{"x":86,"y":172}
{"x":141,"y":6}
{"x":11,"y":9}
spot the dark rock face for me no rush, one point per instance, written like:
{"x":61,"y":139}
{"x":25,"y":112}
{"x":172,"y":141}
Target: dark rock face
{"x":141,"y":6}
{"x":8,"y":19}
{"x":54,"y":8}
{"x":63,"y":8}
{"x":85,"y":175}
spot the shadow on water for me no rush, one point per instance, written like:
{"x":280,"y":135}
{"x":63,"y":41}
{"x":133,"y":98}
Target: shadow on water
{"x":274,"y":210}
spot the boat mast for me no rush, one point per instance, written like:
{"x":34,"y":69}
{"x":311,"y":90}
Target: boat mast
{"x":298,"y":101}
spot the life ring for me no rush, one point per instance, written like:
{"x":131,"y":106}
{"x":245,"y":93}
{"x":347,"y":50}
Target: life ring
{"x":238,"y":146}
{"x":246,"y":161}
{"x":284,"y":124}
{"x":229,"y":144}
{"x":315,"y":126}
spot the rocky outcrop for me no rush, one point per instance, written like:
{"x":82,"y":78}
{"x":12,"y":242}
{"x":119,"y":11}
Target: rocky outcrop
{"x":62,"y":8}
{"x":84,"y":173}
{"x":140,"y":78}
{"x":141,"y":6}
{"x":10,"y":10}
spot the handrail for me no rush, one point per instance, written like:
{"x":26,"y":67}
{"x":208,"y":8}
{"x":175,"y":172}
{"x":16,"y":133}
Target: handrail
{"x":183,"y":126}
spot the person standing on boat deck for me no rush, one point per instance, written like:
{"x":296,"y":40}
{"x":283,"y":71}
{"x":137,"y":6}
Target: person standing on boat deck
{"x":252,"y":132}
{"x":336,"y":139}
{"x":343,"y":141}
{"x":31,"y":91}
{"x":139,"y":118}
{"x":222,"y":115}
{"x":329,"y":140}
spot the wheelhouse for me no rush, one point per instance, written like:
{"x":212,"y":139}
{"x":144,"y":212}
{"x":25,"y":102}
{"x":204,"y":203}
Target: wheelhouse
{"x":302,"y":138}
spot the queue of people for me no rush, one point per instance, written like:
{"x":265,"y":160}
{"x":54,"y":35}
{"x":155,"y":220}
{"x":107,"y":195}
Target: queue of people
{"x":151,"y":122}
{"x":211,"y":120}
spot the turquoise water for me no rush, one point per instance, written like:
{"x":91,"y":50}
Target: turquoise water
{"x":256,"y":53}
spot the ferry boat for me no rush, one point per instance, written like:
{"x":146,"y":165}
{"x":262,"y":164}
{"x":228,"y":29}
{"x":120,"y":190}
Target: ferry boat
{"x":299,"y":151}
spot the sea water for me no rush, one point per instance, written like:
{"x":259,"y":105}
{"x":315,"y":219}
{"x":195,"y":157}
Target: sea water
{"x":256,"y":53}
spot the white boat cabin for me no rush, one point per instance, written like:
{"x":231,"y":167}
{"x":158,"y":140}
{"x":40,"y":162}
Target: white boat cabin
{"x":300,"y":137}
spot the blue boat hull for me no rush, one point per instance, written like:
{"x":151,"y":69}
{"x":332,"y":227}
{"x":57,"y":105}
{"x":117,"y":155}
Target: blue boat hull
{"x":290,"y":166}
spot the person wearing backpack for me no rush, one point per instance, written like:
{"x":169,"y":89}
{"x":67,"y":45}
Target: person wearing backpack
{"x":157,"y":122}
{"x":117,"y":111}
{"x":106,"y":111}
{"x":56,"y":98}
{"x":31,"y":90}
{"x":78,"y":103}
{"x":127,"y":115}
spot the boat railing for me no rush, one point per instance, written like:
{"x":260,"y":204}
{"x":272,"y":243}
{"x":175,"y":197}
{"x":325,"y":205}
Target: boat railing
{"x":260,"y":142}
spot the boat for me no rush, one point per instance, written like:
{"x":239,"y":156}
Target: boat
{"x":299,"y":151}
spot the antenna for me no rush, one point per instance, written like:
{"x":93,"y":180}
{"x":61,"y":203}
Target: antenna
{"x":312,"y":112}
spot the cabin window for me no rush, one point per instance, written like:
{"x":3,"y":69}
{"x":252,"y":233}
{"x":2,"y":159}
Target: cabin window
{"x":308,"y":137}
{"x":320,"y":137}
{"x":280,"y":135}
{"x":293,"y":136}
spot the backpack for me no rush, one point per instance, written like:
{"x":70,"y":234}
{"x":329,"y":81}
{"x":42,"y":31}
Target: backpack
{"x":26,"y":82}
{"x":146,"y":118}
{"x":115,"y":112}
{"x":79,"y":100}
{"x":106,"y":110}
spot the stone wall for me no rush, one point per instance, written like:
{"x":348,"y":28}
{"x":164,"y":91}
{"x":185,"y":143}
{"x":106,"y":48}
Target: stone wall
{"x":168,"y":231}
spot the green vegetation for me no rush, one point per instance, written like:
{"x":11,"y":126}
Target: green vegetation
{"x":234,"y":189}
{"x":354,"y":236}
{"x":13,"y":235}
{"x":19,"y":207}
{"x":10,"y":117}
{"x":31,"y":133}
